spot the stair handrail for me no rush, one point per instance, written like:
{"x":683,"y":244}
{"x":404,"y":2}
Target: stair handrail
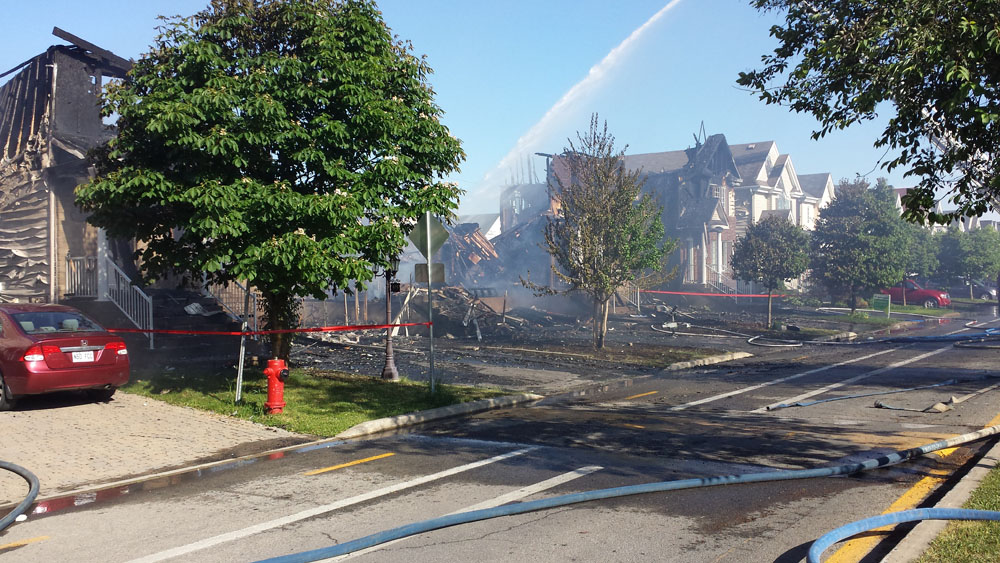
{"x":130,"y":299}
{"x":717,"y":280}
{"x":81,"y":276}
{"x":232,"y":300}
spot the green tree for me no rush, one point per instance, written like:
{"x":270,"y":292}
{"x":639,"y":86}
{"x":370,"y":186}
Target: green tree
{"x":929,"y":64}
{"x":289,"y":143}
{"x":921,"y":250}
{"x":970,"y":255}
{"x":772,"y":252}
{"x":606,"y":232}
{"x":858,"y":243}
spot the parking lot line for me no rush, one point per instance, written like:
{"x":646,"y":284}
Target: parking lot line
{"x":21,"y":543}
{"x":641,"y":395}
{"x":776,"y":381}
{"x":851,"y":380}
{"x":319,"y":510}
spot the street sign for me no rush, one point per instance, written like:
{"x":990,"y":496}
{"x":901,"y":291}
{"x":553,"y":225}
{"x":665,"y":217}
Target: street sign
{"x":428,"y":225}
{"x":881,"y":302}
{"x":437,"y":273}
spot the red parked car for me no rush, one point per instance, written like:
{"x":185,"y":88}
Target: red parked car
{"x":47,"y":348}
{"x":917,"y":295}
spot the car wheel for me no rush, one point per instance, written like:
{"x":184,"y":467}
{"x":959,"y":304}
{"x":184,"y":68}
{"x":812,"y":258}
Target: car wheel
{"x":6,"y":398}
{"x":930,"y":304}
{"x":101,"y":395}
{"x":986,"y":297}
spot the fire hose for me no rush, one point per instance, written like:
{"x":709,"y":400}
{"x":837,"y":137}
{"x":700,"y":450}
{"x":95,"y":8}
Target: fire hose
{"x":21,"y":508}
{"x":616,"y":492}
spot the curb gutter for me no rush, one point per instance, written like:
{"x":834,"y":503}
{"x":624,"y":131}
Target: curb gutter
{"x":411,"y":419}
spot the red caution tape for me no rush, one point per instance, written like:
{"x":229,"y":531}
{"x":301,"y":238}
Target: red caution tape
{"x":711,"y":294}
{"x":262,"y":332}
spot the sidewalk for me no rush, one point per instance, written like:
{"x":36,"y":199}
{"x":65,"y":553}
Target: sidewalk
{"x":81,"y":443}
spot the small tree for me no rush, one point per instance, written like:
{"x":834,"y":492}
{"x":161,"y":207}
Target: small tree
{"x":288,"y":143}
{"x":772,"y":252}
{"x":970,"y":255}
{"x":858,"y":243}
{"x":606,"y":231}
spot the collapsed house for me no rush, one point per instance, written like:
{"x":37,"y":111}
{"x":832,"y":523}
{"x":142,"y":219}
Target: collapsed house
{"x":49,"y":119}
{"x":709,"y":193}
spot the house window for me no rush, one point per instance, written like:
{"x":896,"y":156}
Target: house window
{"x":783,"y":202}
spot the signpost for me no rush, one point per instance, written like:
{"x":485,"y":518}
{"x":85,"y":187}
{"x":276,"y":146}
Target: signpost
{"x":428,"y":236}
{"x":882,"y":302}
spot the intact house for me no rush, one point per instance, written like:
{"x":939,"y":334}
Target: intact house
{"x":49,"y":119}
{"x":709,"y":193}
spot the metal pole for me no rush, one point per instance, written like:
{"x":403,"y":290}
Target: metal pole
{"x":430,"y":298}
{"x":243,"y":344}
{"x":389,"y":372}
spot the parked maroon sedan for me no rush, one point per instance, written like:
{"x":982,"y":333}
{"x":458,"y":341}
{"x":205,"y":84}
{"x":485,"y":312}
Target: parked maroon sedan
{"x":917,"y":295}
{"x":47,"y":348}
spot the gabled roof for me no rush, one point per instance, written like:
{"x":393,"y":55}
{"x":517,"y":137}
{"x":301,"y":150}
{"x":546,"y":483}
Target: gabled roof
{"x":702,"y":212}
{"x":656,"y":162}
{"x":814,"y":185}
{"x":751,"y":160}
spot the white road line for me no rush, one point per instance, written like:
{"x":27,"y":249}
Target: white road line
{"x":292,"y":518}
{"x":776,"y":381}
{"x":498,"y":501}
{"x":853,"y":379}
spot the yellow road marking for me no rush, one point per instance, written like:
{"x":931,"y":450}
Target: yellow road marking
{"x":641,"y":395}
{"x":21,"y":543}
{"x":348,"y":464}
{"x":640,"y":427}
{"x":854,"y":550}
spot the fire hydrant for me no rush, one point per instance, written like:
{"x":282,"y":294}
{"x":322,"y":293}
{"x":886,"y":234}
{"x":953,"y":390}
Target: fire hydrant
{"x":276,"y":372}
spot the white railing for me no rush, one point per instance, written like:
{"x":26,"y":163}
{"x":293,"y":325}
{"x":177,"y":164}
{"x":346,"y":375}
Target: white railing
{"x":81,"y":276}
{"x":231,"y":297}
{"x":720,"y":282}
{"x":130,"y":299}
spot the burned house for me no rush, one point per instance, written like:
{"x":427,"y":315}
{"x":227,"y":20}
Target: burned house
{"x":49,"y":119}
{"x":709,"y":193}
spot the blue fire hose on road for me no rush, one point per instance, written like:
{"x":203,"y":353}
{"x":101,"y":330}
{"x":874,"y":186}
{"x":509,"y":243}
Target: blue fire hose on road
{"x":574,"y":498}
{"x":33,"y":487}
{"x":844,"y":532}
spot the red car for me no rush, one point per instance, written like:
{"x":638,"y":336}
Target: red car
{"x":47,"y":348}
{"x":916,"y":295}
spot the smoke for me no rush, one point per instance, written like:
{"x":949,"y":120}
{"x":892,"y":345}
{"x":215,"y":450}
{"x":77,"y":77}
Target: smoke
{"x":553,"y":119}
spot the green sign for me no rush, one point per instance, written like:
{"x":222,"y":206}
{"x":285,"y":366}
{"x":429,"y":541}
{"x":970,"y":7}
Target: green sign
{"x":428,"y":227}
{"x":881,"y":302}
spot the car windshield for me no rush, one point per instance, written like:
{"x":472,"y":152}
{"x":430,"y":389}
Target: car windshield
{"x":38,"y":322}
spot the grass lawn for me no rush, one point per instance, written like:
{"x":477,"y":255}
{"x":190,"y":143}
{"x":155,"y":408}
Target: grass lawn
{"x":322,"y":403}
{"x":972,"y":541}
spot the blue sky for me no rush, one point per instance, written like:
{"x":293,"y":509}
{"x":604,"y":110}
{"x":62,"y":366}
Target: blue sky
{"x":501,"y":66}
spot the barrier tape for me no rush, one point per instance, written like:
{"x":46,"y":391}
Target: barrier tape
{"x":260,"y":332}
{"x":711,"y":294}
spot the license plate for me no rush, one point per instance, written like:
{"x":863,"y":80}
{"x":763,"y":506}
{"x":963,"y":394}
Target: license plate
{"x":87,"y":356}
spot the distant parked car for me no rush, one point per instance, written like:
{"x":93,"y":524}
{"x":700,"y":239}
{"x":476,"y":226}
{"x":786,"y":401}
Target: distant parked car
{"x":917,"y":295}
{"x":979,"y":290}
{"x":46,"y":348}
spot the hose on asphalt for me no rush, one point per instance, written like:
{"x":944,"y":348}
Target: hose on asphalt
{"x":844,"y":532}
{"x":33,"y":487}
{"x":587,"y":496}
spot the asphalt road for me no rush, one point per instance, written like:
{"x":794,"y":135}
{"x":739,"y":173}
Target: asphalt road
{"x":696,"y":423}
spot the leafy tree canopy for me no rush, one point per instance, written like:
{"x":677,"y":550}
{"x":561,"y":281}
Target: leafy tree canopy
{"x":289,"y":143}
{"x":606,"y":231}
{"x":771,"y":252}
{"x":933,"y":62}
{"x":970,"y":255}
{"x":858,"y":244}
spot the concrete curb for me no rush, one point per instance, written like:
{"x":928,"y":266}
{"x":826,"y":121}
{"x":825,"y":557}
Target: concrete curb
{"x":727,"y":357}
{"x":917,"y":540}
{"x":403,"y":420}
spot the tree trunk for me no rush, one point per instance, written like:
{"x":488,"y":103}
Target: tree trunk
{"x":600,"y":321}
{"x":769,"y":290}
{"x":281,"y":309}
{"x":854,"y":301}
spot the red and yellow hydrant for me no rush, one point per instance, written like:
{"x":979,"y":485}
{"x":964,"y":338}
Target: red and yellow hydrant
{"x":276,"y":372}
